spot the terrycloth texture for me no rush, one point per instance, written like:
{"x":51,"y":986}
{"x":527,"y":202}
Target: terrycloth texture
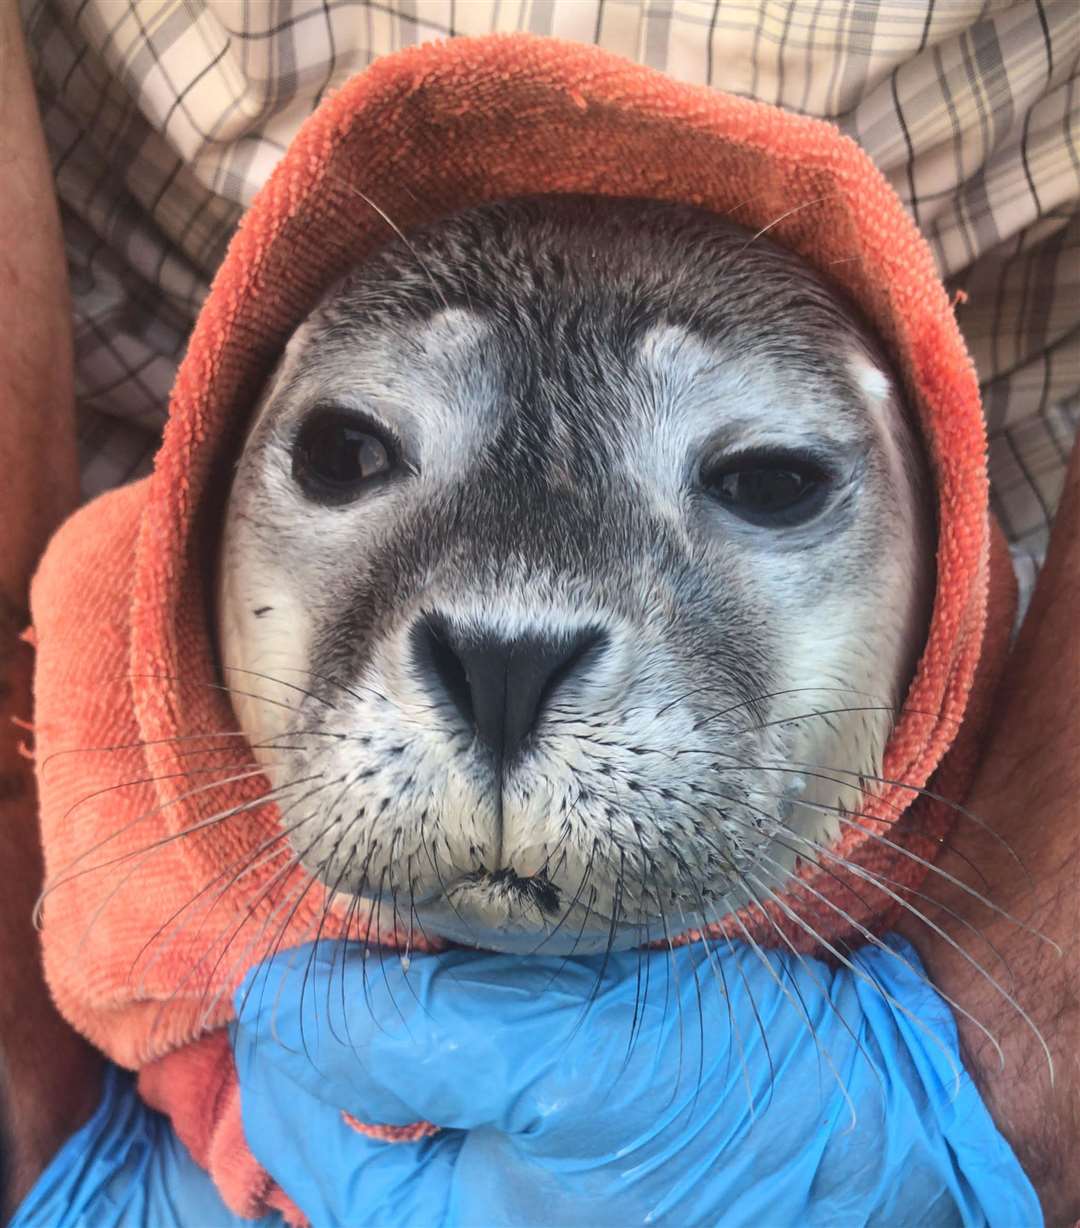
{"x":147,"y":933}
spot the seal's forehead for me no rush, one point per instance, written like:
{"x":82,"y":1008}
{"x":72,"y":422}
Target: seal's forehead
{"x":552,"y":257}
{"x":585,"y":322}
{"x":464,"y":377}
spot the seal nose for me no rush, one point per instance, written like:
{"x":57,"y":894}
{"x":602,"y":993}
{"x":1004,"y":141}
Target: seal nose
{"x":499,"y":686}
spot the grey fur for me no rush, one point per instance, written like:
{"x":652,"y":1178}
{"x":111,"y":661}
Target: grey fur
{"x":556,"y":371}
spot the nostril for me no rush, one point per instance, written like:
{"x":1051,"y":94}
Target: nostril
{"x":537,"y":668}
{"x":579,"y":654}
{"x":434,"y":650}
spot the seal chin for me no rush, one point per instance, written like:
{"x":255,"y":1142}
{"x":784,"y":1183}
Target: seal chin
{"x":501,"y":911}
{"x":473,"y":916}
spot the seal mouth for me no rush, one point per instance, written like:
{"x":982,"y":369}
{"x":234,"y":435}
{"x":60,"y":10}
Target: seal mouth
{"x":535,"y":891}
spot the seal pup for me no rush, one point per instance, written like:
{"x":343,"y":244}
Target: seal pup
{"x":574,"y":568}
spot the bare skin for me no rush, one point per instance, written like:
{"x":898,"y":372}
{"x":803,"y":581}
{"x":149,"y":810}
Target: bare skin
{"x":1027,"y":791}
{"x":48,"y":1074}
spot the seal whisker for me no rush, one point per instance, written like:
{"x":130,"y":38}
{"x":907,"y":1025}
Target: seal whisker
{"x":805,"y":769}
{"x":118,"y":746}
{"x":902,"y":887}
{"x":380,"y":954}
{"x":351,"y":187}
{"x":67,"y":876}
{"x":689,"y":878}
{"x":276,"y":879}
{"x":961,"y":810}
{"x":247,"y":863}
{"x":252,"y":906}
{"x":236,"y":669}
{"x":861,"y":872}
{"x":861,"y":974}
{"x":215,"y":686}
{"x":800,"y":1005}
{"x":313,"y":954}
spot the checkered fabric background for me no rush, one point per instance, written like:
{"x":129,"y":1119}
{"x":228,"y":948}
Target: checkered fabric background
{"x":164,"y":117}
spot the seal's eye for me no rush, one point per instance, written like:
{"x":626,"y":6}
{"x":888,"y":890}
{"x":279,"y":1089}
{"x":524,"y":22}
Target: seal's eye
{"x":773,"y":490}
{"x":336,"y":454}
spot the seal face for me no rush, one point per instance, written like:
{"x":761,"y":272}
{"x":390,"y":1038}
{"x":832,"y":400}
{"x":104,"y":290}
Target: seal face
{"x":575,"y":566}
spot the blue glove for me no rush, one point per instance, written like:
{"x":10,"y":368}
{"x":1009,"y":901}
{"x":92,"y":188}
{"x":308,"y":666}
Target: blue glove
{"x":126,"y":1169}
{"x":684,"y":1090}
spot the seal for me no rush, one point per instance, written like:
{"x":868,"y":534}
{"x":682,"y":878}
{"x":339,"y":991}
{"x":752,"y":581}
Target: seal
{"x":574,"y":568}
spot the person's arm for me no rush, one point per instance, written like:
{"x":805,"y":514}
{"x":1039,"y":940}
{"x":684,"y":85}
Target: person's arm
{"x":48,"y":1075}
{"x":1028,"y":792}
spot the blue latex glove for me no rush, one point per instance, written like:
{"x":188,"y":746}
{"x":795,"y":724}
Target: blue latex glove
{"x":126,"y":1169}
{"x":555,"y":1118}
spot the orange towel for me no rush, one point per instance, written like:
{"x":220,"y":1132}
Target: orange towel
{"x":145,"y":934}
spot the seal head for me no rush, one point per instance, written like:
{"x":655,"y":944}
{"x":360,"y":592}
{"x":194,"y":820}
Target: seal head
{"x":575,"y":566}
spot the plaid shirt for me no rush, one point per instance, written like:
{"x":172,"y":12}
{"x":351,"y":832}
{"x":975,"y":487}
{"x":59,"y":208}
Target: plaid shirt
{"x":164,"y":117}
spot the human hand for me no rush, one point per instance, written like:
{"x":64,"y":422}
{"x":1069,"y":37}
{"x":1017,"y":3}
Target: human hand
{"x":48,"y":1075}
{"x":693,"y":1087}
{"x":125,"y":1168}
{"x":1008,"y":887}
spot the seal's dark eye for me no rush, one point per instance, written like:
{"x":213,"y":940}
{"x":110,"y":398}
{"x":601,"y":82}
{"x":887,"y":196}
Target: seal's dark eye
{"x":337,"y":454}
{"x":774,"y":490}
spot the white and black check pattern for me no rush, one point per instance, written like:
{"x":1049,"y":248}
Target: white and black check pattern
{"x":164,"y":117}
